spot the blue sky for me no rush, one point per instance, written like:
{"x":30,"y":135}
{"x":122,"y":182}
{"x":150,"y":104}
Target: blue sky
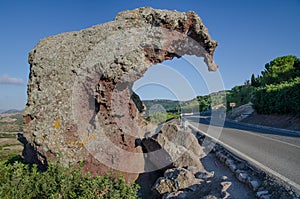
{"x":250,"y":34}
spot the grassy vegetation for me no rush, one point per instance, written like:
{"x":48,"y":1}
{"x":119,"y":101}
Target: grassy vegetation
{"x":19,"y":180}
{"x":8,"y":154}
{"x":9,"y":147}
{"x":7,"y":135}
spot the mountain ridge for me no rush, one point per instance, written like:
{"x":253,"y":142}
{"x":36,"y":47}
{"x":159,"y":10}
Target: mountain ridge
{"x":9,"y":111}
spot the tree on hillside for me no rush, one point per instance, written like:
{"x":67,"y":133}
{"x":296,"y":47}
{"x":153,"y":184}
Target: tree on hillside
{"x":278,"y":88}
{"x":254,"y":81}
{"x":240,"y":94}
{"x":280,"y":69}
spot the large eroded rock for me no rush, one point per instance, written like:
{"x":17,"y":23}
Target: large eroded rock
{"x":80,"y":102}
{"x":173,"y":146}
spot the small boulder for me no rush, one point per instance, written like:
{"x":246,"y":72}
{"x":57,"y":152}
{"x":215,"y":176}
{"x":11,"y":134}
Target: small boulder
{"x":259,"y":194}
{"x":205,"y":175}
{"x":174,"y":180}
{"x":254,"y":184}
{"x":242,"y":177}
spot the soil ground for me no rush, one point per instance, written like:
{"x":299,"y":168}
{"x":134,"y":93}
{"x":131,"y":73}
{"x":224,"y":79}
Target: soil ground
{"x":289,"y":122}
{"x":247,"y":114}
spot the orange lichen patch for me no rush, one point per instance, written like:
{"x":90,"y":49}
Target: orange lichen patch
{"x":85,"y":142}
{"x":57,"y":123}
{"x":72,"y":142}
{"x":93,"y":136}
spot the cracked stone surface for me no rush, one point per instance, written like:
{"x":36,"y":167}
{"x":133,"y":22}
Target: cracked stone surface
{"x":80,"y":100}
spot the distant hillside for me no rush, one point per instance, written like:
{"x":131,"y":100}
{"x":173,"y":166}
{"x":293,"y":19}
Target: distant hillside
{"x":168,"y":105}
{"x":215,"y":100}
{"x":10,"y":111}
{"x":12,"y":122}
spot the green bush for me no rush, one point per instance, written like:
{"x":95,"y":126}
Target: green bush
{"x":19,"y":180}
{"x":280,"y":98}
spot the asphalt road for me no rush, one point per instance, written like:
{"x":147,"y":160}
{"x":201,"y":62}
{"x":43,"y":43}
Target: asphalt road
{"x":275,"y":151}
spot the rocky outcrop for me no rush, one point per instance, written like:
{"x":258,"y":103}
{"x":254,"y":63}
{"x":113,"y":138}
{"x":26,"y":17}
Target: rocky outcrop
{"x":180,"y":183}
{"x":175,"y":180}
{"x":173,"y":146}
{"x":173,"y":157}
{"x":241,"y":112}
{"x":80,"y":102}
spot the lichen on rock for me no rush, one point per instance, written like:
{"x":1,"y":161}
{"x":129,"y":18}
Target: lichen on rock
{"x":80,"y":99}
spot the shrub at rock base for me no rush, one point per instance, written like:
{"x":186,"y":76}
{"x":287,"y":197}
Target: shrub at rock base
{"x":19,"y":180}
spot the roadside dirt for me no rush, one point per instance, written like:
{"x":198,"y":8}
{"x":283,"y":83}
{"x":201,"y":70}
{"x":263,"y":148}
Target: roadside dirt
{"x":289,"y":122}
{"x":247,"y":114}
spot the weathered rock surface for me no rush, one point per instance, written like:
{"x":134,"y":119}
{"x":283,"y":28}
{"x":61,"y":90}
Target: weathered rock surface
{"x":174,"y":180}
{"x":180,"y":183}
{"x":80,"y":102}
{"x":173,"y":158}
{"x":241,"y":112}
{"x":174,"y":146}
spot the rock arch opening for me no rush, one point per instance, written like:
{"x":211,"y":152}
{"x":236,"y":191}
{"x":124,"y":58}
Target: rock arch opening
{"x":166,"y":86}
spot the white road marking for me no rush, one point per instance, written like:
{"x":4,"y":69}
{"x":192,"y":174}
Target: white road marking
{"x":242,"y":155}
